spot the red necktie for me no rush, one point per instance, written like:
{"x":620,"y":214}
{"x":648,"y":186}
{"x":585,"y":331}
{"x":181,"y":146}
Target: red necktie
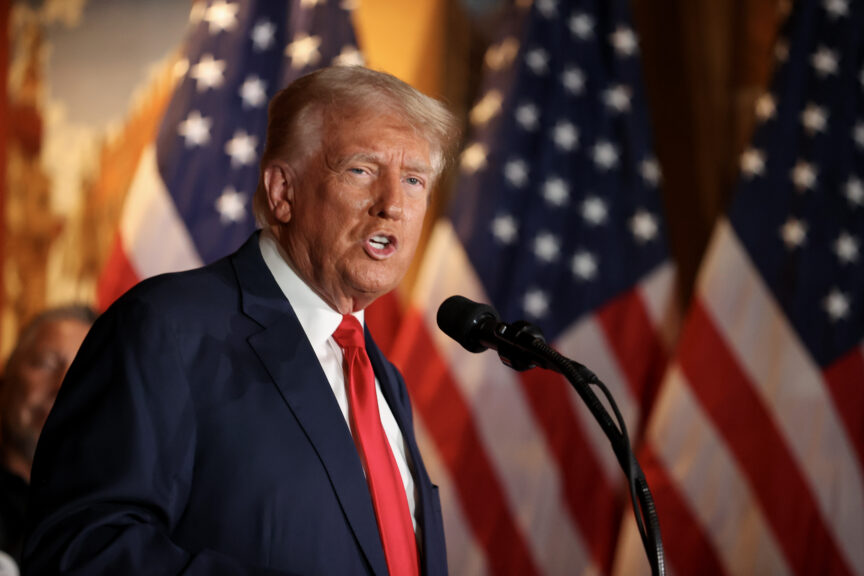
{"x":382,"y":474}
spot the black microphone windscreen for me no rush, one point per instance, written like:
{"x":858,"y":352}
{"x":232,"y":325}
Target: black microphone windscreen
{"x":458,"y":316}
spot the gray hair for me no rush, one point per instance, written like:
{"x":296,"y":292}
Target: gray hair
{"x":78,"y":312}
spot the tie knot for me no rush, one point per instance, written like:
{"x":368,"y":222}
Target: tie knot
{"x":349,"y":334}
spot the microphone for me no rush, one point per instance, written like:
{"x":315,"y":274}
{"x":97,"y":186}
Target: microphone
{"x":477,"y":327}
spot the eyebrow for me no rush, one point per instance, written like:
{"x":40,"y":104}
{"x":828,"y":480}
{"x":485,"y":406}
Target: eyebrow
{"x":418,"y":167}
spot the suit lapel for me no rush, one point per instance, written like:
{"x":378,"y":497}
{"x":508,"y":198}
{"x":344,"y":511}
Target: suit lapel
{"x":428,"y":520}
{"x":288,"y":357}
{"x":389,"y":387}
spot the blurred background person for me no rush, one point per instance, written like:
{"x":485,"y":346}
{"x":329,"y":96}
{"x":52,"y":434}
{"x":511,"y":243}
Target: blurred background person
{"x":35,"y":369}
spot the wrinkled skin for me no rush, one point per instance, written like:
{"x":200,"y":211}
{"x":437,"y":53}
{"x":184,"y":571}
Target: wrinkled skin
{"x":350,"y":217}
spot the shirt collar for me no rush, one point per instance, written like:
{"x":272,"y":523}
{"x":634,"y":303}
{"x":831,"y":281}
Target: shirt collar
{"x":317,"y":318}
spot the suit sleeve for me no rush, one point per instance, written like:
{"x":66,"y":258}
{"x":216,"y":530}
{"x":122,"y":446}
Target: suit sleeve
{"x":116,"y":459}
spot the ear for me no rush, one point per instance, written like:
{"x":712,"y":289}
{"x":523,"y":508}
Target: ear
{"x":279,"y":183}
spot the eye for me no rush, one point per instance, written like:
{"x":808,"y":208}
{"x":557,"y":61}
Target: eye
{"x":46,"y":362}
{"x":414,"y":181}
{"x":357,"y":171}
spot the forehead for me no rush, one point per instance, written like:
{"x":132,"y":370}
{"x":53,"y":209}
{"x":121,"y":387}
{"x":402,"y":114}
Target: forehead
{"x":61,"y":336}
{"x":58,"y":332}
{"x":360,"y":131}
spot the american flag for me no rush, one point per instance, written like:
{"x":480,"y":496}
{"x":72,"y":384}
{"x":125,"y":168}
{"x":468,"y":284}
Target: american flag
{"x":755,"y":450}
{"x":190,"y":201}
{"x":556,"y":219}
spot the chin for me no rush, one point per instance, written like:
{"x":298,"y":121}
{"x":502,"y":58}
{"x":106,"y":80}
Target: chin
{"x":376,"y":292}
{"x":375,"y":285}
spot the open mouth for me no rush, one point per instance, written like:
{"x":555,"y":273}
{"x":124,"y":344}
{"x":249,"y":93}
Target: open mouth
{"x":381,"y":245}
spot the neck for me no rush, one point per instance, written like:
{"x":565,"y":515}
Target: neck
{"x":340,"y":301}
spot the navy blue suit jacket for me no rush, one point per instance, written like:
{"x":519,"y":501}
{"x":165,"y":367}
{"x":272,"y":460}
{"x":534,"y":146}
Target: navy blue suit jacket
{"x":196,"y":433}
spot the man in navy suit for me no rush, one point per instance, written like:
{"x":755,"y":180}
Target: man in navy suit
{"x":207,"y":426}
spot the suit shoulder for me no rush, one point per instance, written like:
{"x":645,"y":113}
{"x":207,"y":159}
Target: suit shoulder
{"x":183,"y":293}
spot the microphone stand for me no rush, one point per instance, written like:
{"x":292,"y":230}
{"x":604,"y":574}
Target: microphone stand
{"x":527,"y":348}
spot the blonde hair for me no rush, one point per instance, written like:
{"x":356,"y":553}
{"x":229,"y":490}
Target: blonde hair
{"x":295,"y":117}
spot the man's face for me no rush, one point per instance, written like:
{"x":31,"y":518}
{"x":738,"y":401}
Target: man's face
{"x":32,"y":379}
{"x":357,"y":209}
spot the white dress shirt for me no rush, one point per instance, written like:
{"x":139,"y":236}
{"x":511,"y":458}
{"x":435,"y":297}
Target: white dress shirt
{"x":319,"y":321}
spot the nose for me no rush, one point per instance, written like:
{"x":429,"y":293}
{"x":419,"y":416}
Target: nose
{"x":56,"y":376}
{"x":389,"y":198}
{"x":54,"y":381}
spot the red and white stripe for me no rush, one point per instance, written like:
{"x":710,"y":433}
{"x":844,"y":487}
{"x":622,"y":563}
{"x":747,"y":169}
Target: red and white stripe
{"x":149,"y":223}
{"x":529,"y":483}
{"x":756,"y":467}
